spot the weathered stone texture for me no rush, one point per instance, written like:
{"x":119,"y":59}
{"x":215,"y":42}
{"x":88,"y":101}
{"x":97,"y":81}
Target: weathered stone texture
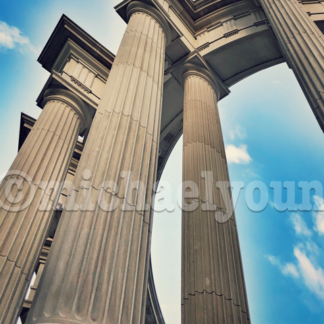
{"x":98,"y":267}
{"x":213,"y":289}
{"x":44,"y":157}
{"x":302,"y":44}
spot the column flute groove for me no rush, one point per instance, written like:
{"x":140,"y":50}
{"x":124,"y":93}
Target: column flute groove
{"x":40,"y":166}
{"x":97,"y":270}
{"x":213,"y":289}
{"x":302,"y":44}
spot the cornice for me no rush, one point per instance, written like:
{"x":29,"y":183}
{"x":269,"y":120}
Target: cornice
{"x":67,"y":29}
{"x":210,"y":17}
{"x":236,"y":9}
{"x":183,"y":15}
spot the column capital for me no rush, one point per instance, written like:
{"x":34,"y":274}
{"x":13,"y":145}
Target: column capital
{"x":139,"y":6}
{"x":73,"y":101}
{"x":189,"y":69}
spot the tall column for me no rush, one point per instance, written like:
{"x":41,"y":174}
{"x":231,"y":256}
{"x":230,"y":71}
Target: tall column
{"x":302,"y":44}
{"x":213,"y":288}
{"x":27,"y":200}
{"x":98,"y":265}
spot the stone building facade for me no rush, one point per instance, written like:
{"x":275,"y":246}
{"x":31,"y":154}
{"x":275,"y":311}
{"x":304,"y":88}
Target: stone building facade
{"x":108,"y":125}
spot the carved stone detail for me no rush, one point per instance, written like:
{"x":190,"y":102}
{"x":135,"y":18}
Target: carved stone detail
{"x":43,"y":159}
{"x":98,"y":267}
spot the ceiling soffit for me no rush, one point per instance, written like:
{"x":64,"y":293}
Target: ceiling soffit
{"x":206,"y":13}
{"x":201,"y":8}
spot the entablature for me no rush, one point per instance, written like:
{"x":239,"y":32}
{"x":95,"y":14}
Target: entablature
{"x":78,"y":67}
{"x":77,"y":62}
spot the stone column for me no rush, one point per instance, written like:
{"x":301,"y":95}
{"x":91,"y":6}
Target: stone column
{"x":302,"y":44}
{"x":213,"y":288}
{"x":27,"y":200}
{"x":98,"y":265}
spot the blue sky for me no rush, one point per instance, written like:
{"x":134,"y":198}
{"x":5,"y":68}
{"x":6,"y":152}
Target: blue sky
{"x":270,"y":134}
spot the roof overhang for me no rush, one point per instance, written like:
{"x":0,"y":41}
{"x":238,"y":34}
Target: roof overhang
{"x":67,"y":29}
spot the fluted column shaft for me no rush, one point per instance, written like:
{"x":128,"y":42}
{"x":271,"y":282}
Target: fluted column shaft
{"x":213,"y":289}
{"x":98,"y":265}
{"x":40,"y":165}
{"x":302,"y":44}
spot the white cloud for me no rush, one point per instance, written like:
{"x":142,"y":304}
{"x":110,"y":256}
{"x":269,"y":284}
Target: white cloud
{"x":247,"y":172}
{"x":320,"y":223}
{"x":319,"y":215}
{"x":312,"y":247}
{"x":238,"y":155}
{"x":239,"y":132}
{"x":299,"y":225}
{"x":273,"y":259}
{"x":11,"y":37}
{"x":288,"y":269}
{"x":313,"y":275}
{"x":307,"y":255}
{"x":319,"y":202}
